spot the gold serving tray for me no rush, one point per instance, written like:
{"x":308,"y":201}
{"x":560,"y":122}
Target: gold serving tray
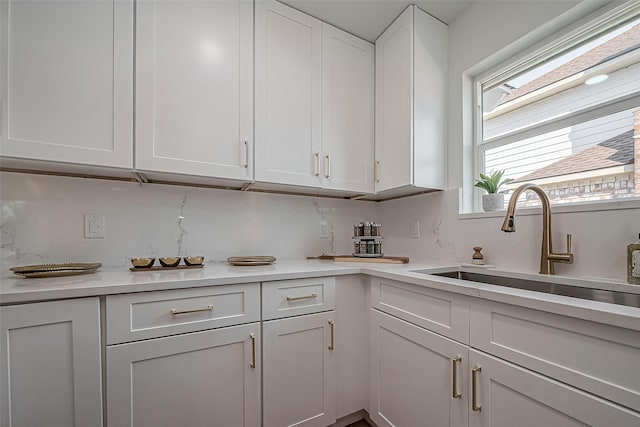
{"x":55,"y":273}
{"x":45,"y":268}
{"x":247,"y":261}
{"x":55,"y":270}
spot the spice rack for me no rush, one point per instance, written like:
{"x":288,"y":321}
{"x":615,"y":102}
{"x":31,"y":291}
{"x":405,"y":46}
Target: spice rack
{"x":367,"y":240}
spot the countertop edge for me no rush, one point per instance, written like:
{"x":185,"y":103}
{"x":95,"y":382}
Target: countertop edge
{"x":111,"y":282}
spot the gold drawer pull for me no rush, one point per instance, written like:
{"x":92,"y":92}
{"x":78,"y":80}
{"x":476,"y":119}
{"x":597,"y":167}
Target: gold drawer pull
{"x":316,"y":171}
{"x":197,"y":310}
{"x":474,"y":389}
{"x":454,"y":386}
{"x":253,"y":350}
{"x":246,"y":154}
{"x":312,"y":296}
{"x":331,"y":346}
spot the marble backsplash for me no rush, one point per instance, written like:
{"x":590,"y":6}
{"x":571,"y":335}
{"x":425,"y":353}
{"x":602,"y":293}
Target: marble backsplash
{"x":599,"y":244}
{"x":42,"y":221}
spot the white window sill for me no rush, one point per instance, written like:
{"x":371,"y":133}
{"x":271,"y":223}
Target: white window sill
{"x":605,"y":205}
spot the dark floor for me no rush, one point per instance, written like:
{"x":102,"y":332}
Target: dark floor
{"x":361,"y":423}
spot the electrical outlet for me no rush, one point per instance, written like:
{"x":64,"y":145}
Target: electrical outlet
{"x":94,"y":226}
{"x":324,"y":230}
{"x":415,"y":230}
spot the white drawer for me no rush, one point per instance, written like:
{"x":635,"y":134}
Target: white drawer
{"x":286,"y":298}
{"x":442,"y":312}
{"x":144,"y":315}
{"x":598,"y":358}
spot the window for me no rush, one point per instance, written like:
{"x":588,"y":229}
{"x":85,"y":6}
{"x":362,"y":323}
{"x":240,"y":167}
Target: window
{"x":568,"y":117}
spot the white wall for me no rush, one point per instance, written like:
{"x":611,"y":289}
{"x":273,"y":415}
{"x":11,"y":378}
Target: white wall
{"x":42,"y":221}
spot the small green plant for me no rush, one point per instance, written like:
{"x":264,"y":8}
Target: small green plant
{"x":492,"y":182}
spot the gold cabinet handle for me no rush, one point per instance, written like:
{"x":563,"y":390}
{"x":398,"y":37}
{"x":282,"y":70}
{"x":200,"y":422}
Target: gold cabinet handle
{"x":376,"y":171}
{"x":197,"y":310}
{"x":327,"y":172}
{"x":454,"y":382}
{"x":253,"y":350}
{"x":312,"y":296}
{"x":317,"y":170}
{"x":474,"y":389}
{"x":331,"y":346}
{"x":246,"y":154}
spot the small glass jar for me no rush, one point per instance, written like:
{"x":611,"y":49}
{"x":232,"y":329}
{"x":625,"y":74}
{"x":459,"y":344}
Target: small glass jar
{"x":377,"y":247}
{"x":367,"y":228}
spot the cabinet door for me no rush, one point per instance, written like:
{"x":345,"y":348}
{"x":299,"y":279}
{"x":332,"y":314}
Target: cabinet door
{"x":414,"y":375}
{"x":209,"y":378}
{"x":347,"y":111}
{"x":67,"y":81}
{"x":288,"y":95}
{"x":508,"y":395}
{"x":299,"y":371}
{"x":394,"y":95}
{"x":50,"y":364}
{"x":194,"y":98}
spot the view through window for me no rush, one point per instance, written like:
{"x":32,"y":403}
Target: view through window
{"x":571,"y":122}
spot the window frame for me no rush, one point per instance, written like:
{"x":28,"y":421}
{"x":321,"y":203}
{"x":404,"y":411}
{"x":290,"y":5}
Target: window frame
{"x":555,"y":45}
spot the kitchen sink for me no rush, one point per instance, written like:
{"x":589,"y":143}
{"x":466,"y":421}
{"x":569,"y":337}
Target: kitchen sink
{"x":601,"y":295}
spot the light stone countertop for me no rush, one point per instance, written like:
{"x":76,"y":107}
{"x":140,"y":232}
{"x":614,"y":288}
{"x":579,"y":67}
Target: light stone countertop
{"x":15,"y":289}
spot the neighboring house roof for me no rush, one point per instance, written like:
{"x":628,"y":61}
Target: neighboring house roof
{"x":616,"y":151}
{"x":622,"y":43}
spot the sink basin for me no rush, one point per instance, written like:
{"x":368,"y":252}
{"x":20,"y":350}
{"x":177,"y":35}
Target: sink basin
{"x":601,"y":295}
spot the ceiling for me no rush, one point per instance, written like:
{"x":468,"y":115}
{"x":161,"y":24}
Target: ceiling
{"x":367,"y":19}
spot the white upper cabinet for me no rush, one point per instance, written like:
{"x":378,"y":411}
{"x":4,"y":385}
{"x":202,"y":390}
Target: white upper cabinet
{"x":314,"y":102}
{"x":67,"y":81}
{"x":288,"y":95}
{"x":347,"y":111}
{"x":411,"y":85}
{"x":194,"y":87}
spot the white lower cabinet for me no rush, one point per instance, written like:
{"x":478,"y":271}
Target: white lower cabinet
{"x":50,"y":366}
{"x":299,"y":376}
{"x":555,"y":370}
{"x":507,"y":395}
{"x":207,"y":378}
{"x":417,"y":378}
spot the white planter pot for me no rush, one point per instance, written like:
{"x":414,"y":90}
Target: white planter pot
{"x":493,"y":202}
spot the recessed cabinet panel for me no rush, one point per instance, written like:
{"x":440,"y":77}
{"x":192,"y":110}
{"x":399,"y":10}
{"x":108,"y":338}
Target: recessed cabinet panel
{"x":194,"y":84}
{"x":412,"y":376}
{"x":146,"y":315}
{"x":284,"y":298}
{"x":288,"y":95}
{"x":198,"y":379}
{"x":51,"y":364}
{"x":394,"y":119}
{"x":509,"y":396}
{"x":347,"y":111}
{"x":299,"y":371}
{"x":442,"y":312}
{"x":67,"y":81}
{"x":411,"y":83}
{"x":601,"y":359}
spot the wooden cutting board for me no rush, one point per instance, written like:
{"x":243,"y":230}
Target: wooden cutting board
{"x":350,"y":258}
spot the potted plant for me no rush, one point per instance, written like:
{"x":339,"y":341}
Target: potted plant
{"x":492,"y":201}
